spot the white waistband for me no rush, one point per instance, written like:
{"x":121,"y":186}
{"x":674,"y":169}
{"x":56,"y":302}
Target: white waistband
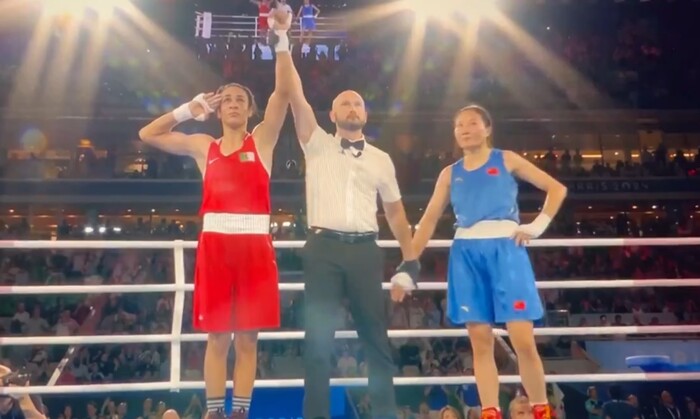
{"x":236,"y":223}
{"x":487,"y":230}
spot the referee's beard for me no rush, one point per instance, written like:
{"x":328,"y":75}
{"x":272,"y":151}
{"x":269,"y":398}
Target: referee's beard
{"x":355,"y":125}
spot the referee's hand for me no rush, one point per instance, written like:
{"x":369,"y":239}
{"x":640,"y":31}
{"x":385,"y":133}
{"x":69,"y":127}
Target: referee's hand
{"x":405,"y":280}
{"x":398,"y":293}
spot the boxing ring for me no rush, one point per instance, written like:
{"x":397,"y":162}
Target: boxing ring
{"x":180,"y":287}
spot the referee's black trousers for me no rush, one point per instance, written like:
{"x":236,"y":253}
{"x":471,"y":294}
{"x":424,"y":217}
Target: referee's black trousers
{"x":334,"y":270}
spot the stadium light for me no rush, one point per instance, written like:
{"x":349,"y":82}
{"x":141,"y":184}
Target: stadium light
{"x":78,"y":7}
{"x":450,"y":8}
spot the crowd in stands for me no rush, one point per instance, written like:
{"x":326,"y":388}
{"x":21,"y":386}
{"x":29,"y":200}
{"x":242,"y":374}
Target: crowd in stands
{"x":659,"y":406}
{"x":634,"y":61}
{"x":415,"y":162}
{"x":411,"y":167}
{"x":152,"y":313}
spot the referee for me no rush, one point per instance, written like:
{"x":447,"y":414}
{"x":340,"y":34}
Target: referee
{"x":344,"y":175}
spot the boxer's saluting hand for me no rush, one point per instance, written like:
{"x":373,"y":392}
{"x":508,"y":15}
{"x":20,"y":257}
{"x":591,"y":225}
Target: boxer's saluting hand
{"x":199,"y":108}
{"x":204,"y":104}
{"x":405,"y":280}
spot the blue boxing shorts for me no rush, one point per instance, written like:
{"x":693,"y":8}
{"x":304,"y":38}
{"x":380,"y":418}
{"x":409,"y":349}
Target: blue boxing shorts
{"x":490,"y":279}
{"x":308,"y":23}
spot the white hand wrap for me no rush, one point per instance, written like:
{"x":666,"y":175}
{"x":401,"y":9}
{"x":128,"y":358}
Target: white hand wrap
{"x":403,"y":280}
{"x":184,"y":113}
{"x":283,"y":41}
{"x":537,"y":226}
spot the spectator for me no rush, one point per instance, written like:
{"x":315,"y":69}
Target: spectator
{"x":692,"y":408}
{"x":593,"y":405}
{"x":634,"y":402}
{"x":21,"y":317}
{"x":520,"y":408}
{"x":80,"y":372}
{"x":147,"y":411}
{"x":667,"y":409}
{"x":194,"y":410}
{"x":449,"y":412}
{"x":36,"y":325}
{"x":91,"y":410}
{"x":66,"y":326}
{"x":617,"y":407}
{"x":416,"y":315}
{"x":423,"y":411}
{"x":436,"y":397}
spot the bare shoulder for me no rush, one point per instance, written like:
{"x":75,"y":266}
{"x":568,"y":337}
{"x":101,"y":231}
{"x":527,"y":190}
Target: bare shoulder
{"x":445,"y":176}
{"x":202,"y":138}
{"x":512,"y":156}
{"x":512,"y":160}
{"x":257,"y":134}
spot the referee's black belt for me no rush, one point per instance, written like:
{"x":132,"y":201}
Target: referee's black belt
{"x":344,"y":237}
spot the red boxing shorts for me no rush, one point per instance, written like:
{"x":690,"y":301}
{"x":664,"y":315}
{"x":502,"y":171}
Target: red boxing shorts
{"x":235,"y":283}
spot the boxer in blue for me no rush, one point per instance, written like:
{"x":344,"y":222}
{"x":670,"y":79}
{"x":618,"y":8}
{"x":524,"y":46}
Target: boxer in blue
{"x":490,"y":278}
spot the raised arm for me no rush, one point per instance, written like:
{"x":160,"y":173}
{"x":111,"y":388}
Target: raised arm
{"x":290,"y":86}
{"x":433,"y":212}
{"x":160,"y":134}
{"x":267,"y":132}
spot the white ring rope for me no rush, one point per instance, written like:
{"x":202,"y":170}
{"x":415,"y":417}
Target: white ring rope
{"x":295,"y":244}
{"x":399,"y":381}
{"x":349,"y":334}
{"x":422,"y":286}
{"x":180,"y":287}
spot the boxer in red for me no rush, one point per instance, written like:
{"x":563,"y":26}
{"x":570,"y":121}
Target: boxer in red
{"x":264,"y":9}
{"x":236,"y":288}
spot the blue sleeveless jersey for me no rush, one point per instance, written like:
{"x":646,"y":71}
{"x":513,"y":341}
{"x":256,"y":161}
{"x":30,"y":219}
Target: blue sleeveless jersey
{"x":307,"y":11}
{"x":485,"y":194}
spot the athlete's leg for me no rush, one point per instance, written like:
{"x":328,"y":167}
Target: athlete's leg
{"x":529,"y":362}
{"x":256,"y":306}
{"x":470,"y":301}
{"x":213,"y":296}
{"x":245,"y":345}
{"x":517,"y":304}
{"x":218,"y":345}
{"x":485,"y":370}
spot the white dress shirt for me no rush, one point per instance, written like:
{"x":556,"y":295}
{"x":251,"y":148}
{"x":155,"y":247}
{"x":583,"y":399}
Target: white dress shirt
{"x":341,"y":189}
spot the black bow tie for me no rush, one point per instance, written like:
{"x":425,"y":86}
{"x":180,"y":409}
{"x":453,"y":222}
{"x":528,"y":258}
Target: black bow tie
{"x":357,"y":145}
